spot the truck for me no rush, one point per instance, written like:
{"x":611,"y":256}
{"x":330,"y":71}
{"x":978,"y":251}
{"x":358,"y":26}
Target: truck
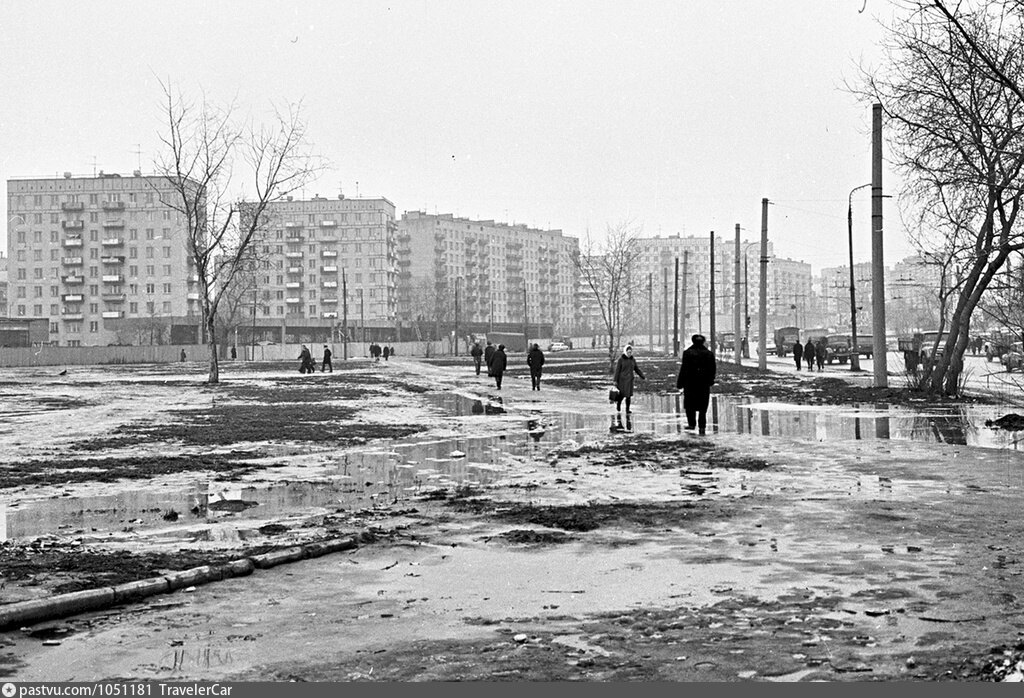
{"x":865,"y":345}
{"x":838,"y":348}
{"x":513,"y":341}
{"x":727,"y":340}
{"x":785,"y":338}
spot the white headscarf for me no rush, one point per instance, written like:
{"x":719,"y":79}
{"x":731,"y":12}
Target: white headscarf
{"x":628,"y":346}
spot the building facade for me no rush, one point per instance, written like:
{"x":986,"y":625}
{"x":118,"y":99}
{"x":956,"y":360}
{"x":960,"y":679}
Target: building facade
{"x":102,"y":258}
{"x":484,"y":274}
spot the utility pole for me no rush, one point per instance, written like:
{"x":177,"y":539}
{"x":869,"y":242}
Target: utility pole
{"x":362,"y":316}
{"x":736,"y":327}
{"x":664,"y":306}
{"x":526,"y":320}
{"x":344,"y":313}
{"x":254,"y":292}
{"x":650,"y":310}
{"x":855,"y":355}
{"x":457,"y":279}
{"x":711,"y":295}
{"x":682,"y":302}
{"x":762,"y":315}
{"x":877,"y":266}
{"x":675,"y":315}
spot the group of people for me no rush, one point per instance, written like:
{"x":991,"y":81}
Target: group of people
{"x":697,"y":372}
{"x":810,"y":354}
{"x":377,"y":351}
{"x":307,"y":365}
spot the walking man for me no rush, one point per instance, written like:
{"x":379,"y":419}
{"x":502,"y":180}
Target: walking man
{"x":809,"y":354}
{"x":535,"y":359}
{"x":696,"y":376}
{"x":477,"y":353}
{"x":327,"y":360}
{"x":488,"y":355}
{"x":798,"y":352}
{"x":499,"y":362}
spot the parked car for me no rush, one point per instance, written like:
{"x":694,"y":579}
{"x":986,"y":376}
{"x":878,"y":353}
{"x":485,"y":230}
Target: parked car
{"x":558,"y":346}
{"x":1014,"y":357}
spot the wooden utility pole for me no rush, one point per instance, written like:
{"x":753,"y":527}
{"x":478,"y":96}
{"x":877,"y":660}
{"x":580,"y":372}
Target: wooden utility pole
{"x":675,"y":315}
{"x":344,"y":313}
{"x":650,"y":310}
{"x":762,"y":313}
{"x":736,"y":326}
{"x":711,"y":295}
{"x":878,"y":361}
{"x":682,"y":302}
{"x":664,"y":307}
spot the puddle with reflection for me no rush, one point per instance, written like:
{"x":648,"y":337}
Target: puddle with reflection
{"x":407,"y":467}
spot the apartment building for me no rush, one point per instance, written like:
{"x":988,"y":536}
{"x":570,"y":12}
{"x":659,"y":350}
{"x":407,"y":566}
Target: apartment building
{"x":3,"y":284}
{"x":791,"y":296}
{"x":312,"y":252}
{"x":503,"y":275}
{"x":101,"y":258}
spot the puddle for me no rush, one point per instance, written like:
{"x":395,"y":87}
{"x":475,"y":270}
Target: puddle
{"x":407,"y":468}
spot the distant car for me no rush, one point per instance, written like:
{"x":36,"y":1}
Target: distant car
{"x":558,"y":346}
{"x":1014,"y":358}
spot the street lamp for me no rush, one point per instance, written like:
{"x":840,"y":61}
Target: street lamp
{"x":746,"y":298}
{"x":854,"y":349}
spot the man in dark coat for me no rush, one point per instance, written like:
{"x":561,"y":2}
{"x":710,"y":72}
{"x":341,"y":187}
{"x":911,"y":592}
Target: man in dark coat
{"x":820,"y":352}
{"x":306,"y":364}
{"x":697,"y":372}
{"x":625,"y":367}
{"x":327,"y":365}
{"x":809,"y":354}
{"x":798,"y":352}
{"x":535,"y":359}
{"x":386,"y":352}
{"x":499,"y":362}
{"x":488,"y":355}
{"x":477,"y":353}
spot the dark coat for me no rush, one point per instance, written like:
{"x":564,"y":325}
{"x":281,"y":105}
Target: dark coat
{"x":625,"y":367}
{"x":476,"y":351}
{"x":809,"y":350}
{"x":798,"y":350}
{"x":535,"y":359}
{"x":489,"y":353}
{"x":327,"y":354}
{"x":697,"y":370}
{"x":498,"y":363}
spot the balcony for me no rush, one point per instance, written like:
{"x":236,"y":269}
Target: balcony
{"x":116,"y":223}
{"x":73,"y":279}
{"x":293,"y":284}
{"x":294,"y":239}
{"x":113,"y":205}
{"x":113,"y":297}
{"x":330,"y":284}
{"x":72,"y":206}
{"x":192,"y":296}
{"x":293,"y":300}
{"x":72,"y":242}
{"x":113,"y":259}
{"x":328,"y":301}
{"x":72,"y":298}
{"x":112,"y":279}
{"x":329,"y":270}
{"x":293,"y":255}
{"x":112,"y":242}
{"x":193,"y":278}
{"x":113,"y":314}
{"x":404,"y":237}
{"x":72,"y":317}
{"x":292,"y":225}
{"x":294,"y":270}
{"x":71,"y":261}
{"x":331,"y":254}
{"x":72,"y":225}
{"x":327,"y":224}
{"x":405,"y":262}
{"x":329,"y":314}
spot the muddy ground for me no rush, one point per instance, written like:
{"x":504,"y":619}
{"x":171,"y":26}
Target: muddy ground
{"x":857,"y":578}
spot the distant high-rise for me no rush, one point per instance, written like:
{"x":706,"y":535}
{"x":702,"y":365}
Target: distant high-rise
{"x":102,"y":258}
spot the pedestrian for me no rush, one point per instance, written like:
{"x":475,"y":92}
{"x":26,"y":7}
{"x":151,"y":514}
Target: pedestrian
{"x":182,"y":354}
{"x":327,"y":360}
{"x":798,"y":352}
{"x":392,"y":352}
{"x":234,"y":353}
{"x":625,"y":367}
{"x":535,"y":359}
{"x":488,"y":355}
{"x":499,"y":362}
{"x":387,"y":352}
{"x":477,"y":353}
{"x":809,"y":354}
{"x":306,"y":364}
{"x":697,"y":372}
{"x":820,"y":352}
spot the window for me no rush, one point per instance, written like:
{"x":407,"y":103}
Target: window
{"x":21,"y":274}
{"x":37,"y":311}
{"x":149,"y":253}
{"x":54,"y":236}
{"x":149,"y":234}
{"x":37,"y":255}
{"x":167,"y":306}
{"x":133,"y":270}
{"x":54,"y":291}
{"x":94,"y":308}
{"x":37,"y":236}
{"x":21,"y":237}
{"x":149,"y":197}
{"x":93,"y":253}
{"x":94,"y":272}
{"x":54,"y":310}
{"x":167,"y":216}
{"x":167,"y":270}
{"x":150,"y":270}
{"x":54,"y":327}
{"x":94,"y":198}
{"x":312,"y":310}
{"x":133,"y":307}
{"x":54,"y":218}
{"x":167,"y":289}
{"x":133,"y":233}
{"x":94,"y":326}
{"x":150,"y":288}
{"x":93,"y":289}
{"x":37,"y":273}
{"x":133,"y":253}
{"x":37,"y":200}
{"x":94,"y":217}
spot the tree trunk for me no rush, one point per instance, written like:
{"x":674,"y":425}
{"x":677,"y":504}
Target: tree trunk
{"x":211,"y":342}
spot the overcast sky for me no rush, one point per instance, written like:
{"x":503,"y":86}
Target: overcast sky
{"x":678,"y":116}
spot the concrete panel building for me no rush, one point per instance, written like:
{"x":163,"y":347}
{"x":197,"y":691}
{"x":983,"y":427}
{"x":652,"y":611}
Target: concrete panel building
{"x":102,"y":258}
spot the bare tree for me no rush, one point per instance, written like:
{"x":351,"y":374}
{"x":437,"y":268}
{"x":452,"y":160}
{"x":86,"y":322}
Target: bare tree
{"x":608,"y":271}
{"x":223,"y":173}
{"x":955,"y":132}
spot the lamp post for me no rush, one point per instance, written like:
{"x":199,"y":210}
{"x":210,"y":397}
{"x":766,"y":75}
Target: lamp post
{"x":855,"y":353}
{"x":746,"y":298}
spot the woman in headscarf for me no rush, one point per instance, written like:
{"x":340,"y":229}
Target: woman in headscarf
{"x":625,"y":367}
